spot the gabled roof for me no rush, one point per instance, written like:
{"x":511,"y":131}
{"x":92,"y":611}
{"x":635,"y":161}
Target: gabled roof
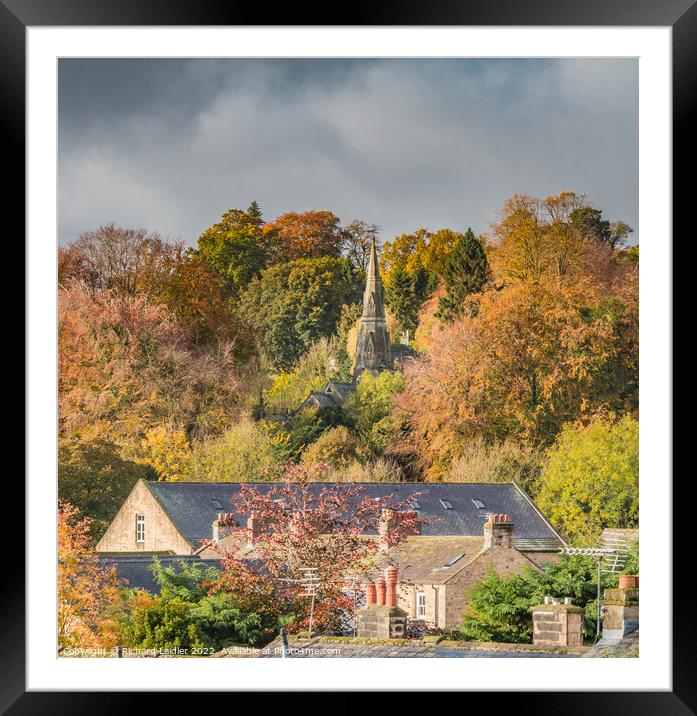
{"x":191,"y":508}
{"x":322,"y":400}
{"x":343,"y":389}
{"x":332,"y":395}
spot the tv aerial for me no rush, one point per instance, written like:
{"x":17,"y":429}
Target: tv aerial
{"x":611,"y":557}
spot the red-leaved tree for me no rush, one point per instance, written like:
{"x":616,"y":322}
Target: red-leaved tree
{"x":336,"y":528}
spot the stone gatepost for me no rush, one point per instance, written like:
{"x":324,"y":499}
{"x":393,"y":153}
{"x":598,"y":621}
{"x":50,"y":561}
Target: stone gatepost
{"x":557,"y":623}
{"x":381,"y":622}
{"x":621,"y":609}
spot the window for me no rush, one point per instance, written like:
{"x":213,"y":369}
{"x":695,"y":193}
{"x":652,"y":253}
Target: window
{"x":446,"y":504}
{"x":414,"y":505}
{"x":420,"y":605}
{"x":140,"y":528}
{"x":454,"y":560}
{"x":217,"y":504}
{"x":478,"y":504}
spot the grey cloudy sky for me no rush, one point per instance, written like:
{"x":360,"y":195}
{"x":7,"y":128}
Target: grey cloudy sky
{"x":172,"y":144}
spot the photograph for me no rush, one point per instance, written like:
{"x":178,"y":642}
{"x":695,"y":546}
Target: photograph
{"x":348,"y":357}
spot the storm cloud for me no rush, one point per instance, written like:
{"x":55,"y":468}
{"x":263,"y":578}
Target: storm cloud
{"x":171,"y":144}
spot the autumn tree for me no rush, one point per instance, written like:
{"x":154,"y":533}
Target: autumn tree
{"x":298,"y":525}
{"x":167,"y":452}
{"x":126,"y":260}
{"x":319,"y":364}
{"x":311,"y":234}
{"x":125,"y":366}
{"x":358,"y":240}
{"x":336,"y":448}
{"x":535,"y":357}
{"x":197,"y":297}
{"x":561,"y":237}
{"x":89,"y":600}
{"x":235,"y":248}
{"x":465,"y":272}
{"x":591,"y":478}
{"x":498,"y":461}
{"x":294,"y":304}
{"x":590,"y":221}
{"x":243,"y":453}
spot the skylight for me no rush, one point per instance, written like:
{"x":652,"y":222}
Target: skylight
{"x":446,"y":504}
{"x":478,"y":504}
{"x":414,"y":504}
{"x":217,"y":504}
{"x":455,"y":559}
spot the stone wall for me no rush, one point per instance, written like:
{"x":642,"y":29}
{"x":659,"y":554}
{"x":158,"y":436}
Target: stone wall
{"x":160,"y":533}
{"x":620,"y":612}
{"x":381,"y":622}
{"x":503,"y":561}
{"x":557,"y":625}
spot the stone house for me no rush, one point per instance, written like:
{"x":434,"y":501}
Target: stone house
{"x":436,"y":572}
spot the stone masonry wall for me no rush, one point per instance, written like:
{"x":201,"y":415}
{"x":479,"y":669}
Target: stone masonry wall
{"x":381,"y":622}
{"x":557,"y":625}
{"x":504,"y":561}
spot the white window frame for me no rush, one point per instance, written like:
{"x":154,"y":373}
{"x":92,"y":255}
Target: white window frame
{"x":140,"y":528}
{"x":421,"y":605}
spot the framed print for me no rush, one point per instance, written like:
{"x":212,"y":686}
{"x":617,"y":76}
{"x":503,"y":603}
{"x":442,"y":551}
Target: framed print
{"x":337,"y":342}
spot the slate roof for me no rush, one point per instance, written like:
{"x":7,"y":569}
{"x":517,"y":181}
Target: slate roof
{"x":433,"y":560}
{"x":135,"y":570}
{"x":319,"y":399}
{"x":190,"y":506}
{"x":332,"y":395}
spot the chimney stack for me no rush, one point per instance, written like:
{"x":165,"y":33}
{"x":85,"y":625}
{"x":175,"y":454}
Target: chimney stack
{"x":499,"y":532}
{"x":393,"y":520}
{"x":391,"y":586}
{"x":380,"y":590}
{"x":370,"y":594}
{"x":256,"y":528}
{"x":223,"y":525}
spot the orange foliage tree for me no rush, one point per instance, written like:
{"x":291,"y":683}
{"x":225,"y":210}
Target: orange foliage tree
{"x":312,"y":234}
{"x":89,"y":600}
{"x":537,"y":355}
{"x":124,"y":366}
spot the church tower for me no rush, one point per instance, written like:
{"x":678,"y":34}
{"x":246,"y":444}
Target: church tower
{"x":373,"y":351}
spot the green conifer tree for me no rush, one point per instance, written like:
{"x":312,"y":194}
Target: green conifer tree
{"x":465,"y":273}
{"x":401,"y":299}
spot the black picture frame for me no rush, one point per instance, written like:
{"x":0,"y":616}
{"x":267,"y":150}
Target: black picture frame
{"x":680,"y":15}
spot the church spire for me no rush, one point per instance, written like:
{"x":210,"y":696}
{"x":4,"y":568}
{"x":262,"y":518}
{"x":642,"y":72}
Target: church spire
{"x":373,"y":345}
{"x":373,"y":306}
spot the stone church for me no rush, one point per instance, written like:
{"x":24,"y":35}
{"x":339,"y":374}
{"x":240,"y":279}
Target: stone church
{"x":373,"y":346}
{"x":373,"y":349}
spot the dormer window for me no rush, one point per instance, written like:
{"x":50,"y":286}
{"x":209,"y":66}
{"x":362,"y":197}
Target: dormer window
{"x":478,"y":504}
{"x":217,"y":504}
{"x":446,"y":504}
{"x":140,"y":528}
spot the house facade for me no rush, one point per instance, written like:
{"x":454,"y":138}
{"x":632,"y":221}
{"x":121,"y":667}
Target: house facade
{"x":436,"y":573}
